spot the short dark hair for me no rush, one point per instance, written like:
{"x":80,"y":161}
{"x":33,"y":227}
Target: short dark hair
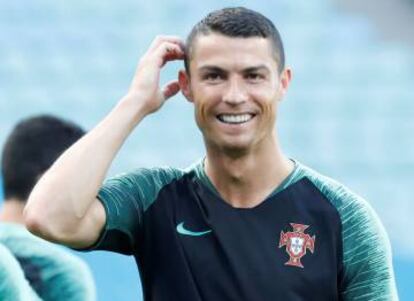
{"x":237,"y":22}
{"x":31,"y":148}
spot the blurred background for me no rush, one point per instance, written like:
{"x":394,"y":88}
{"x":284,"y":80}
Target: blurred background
{"x":348,"y":113}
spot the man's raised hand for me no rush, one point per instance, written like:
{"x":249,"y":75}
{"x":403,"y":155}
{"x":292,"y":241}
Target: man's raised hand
{"x":145,"y":88}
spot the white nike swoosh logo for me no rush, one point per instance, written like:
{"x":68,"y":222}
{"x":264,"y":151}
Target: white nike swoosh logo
{"x":180,"y":229}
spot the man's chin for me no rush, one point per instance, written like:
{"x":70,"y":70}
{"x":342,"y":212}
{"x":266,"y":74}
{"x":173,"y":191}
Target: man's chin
{"x":235,"y":148}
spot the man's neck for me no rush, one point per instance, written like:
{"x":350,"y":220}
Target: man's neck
{"x":246,"y":181}
{"x":12,"y":211}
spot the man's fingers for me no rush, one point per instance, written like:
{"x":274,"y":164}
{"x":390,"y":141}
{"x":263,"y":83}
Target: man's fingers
{"x":170,"y":39}
{"x":165,"y":52}
{"x":170,"y":89}
{"x":164,"y":49}
{"x":169,"y":52}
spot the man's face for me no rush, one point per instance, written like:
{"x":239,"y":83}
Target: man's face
{"x":235,"y":87}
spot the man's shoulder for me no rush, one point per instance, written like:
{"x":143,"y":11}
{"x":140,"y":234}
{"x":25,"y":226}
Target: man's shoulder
{"x":14,"y":285}
{"x":351,"y":207}
{"x":367,"y":265}
{"x":17,"y":237}
{"x":355,"y":213}
{"x":56,"y":263}
{"x":140,"y":186}
{"x":158,"y":175}
{"x":338,"y":194}
{"x":161,"y":174}
{"x":8,"y":262}
{"x":28,"y":247}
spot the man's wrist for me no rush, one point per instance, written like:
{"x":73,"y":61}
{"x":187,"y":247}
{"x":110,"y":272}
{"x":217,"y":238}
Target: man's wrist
{"x":132,"y":104}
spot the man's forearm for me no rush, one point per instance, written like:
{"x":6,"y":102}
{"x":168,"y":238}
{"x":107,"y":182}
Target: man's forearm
{"x":66,"y":191}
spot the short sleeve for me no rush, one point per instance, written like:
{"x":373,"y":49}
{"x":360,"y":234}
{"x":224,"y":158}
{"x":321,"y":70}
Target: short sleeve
{"x":368,"y":270}
{"x":125,"y":198}
{"x":367,"y":262}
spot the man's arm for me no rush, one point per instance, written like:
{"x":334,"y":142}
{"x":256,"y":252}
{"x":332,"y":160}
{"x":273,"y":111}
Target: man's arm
{"x":63,"y":206}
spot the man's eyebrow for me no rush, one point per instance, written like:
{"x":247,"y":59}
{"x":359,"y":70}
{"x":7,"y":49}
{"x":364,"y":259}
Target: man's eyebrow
{"x":211,"y":68}
{"x":256,"y":69}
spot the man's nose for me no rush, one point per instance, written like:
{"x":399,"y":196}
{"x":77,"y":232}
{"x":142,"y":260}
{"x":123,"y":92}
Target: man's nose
{"x":235,"y":92}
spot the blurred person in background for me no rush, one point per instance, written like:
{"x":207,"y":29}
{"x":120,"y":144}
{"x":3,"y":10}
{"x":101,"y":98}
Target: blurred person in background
{"x":13,"y":283}
{"x":32,"y":268}
{"x":244,"y":223}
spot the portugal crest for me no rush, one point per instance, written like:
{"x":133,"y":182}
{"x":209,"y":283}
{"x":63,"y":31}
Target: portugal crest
{"x":296,"y":242}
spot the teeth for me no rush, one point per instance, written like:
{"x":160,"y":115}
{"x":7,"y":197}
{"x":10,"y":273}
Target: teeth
{"x":235,"y":118}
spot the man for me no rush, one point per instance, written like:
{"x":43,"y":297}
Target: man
{"x":244,"y":223}
{"x":31,"y":268}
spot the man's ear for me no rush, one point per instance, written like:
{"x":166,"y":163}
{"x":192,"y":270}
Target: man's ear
{"x":184,"y":82}
{"x":285,"y":78}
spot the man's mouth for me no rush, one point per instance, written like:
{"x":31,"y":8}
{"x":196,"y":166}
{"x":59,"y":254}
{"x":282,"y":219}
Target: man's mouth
{"x":235,"y":118}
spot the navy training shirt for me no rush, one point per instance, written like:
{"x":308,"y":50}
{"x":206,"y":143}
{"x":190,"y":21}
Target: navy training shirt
{"x":190,"y":244}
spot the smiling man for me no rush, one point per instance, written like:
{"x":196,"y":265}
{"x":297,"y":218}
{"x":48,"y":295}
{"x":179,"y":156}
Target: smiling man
{"x":244,"y":223}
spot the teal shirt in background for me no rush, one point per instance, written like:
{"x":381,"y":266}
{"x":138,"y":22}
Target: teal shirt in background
{"x":13,"y":284}
{"x":33,"y":269}
{"x":1,"y":188}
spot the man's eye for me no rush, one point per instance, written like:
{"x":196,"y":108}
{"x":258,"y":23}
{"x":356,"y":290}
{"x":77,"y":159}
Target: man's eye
{"x":212,"y":76}
{"x":254,"y":76}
